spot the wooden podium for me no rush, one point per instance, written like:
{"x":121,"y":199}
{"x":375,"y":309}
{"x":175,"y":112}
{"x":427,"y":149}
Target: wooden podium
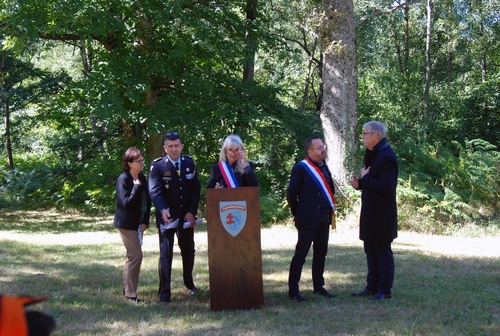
{"x":234,"y":250}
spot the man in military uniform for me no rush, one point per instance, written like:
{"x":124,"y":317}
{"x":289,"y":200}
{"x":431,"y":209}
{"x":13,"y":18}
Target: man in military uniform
{"x":175,"y":191}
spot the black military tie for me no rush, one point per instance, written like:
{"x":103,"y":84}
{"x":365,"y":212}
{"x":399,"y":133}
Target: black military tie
{"x":177,"y":168}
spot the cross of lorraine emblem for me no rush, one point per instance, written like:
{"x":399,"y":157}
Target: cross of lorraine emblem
{"x":233,"y":216}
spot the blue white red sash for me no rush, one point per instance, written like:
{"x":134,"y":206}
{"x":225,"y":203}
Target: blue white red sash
{"x":318,"y":177}
{"x":228,"y":175}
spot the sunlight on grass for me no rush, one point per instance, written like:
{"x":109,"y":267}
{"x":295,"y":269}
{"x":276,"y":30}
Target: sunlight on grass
{"x":440,"y":289}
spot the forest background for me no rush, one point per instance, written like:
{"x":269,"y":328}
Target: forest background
{"x":82,"y":80}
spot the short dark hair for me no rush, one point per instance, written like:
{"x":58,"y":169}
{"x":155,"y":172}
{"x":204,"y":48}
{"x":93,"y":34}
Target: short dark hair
{"x":308,"y":142}
{"x":172,"y":136}
{"x":130,"y":155}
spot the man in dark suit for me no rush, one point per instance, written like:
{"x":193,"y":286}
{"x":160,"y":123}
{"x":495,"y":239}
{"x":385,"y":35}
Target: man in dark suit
{"x":378,"y":220}
{"x":310,"y":197}
{"x":175,"y":191}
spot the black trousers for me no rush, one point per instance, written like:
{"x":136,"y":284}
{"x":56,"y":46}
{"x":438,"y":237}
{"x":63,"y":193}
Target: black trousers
{"x":380,"y":262}
{"x":185,"y":239}
{"x":318,"y":237}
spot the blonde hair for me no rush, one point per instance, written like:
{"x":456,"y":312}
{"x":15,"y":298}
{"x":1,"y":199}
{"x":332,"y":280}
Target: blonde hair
{"x":231,"y":141}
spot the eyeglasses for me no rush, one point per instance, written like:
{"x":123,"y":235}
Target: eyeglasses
{"x":171,"y":134}
{"x":366,"y":133}
{"x":320,"y":148}
{"x":235,"y":150}
{"x":140,"y":160}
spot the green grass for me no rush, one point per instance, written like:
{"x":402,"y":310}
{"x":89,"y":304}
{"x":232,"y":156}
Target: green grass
{"x":434,"y":294}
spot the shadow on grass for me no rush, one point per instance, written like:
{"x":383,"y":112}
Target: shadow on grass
{"x":33,"y":221}
{"x":433,"y":295}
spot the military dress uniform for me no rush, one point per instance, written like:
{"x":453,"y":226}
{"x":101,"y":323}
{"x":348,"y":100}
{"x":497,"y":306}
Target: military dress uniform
{"x":178,"y":191}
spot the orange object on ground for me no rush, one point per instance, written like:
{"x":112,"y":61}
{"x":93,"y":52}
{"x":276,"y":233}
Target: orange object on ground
{"x":12,"y":315}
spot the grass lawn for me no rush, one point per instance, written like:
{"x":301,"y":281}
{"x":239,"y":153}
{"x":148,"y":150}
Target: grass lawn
{"x":443,"y":285}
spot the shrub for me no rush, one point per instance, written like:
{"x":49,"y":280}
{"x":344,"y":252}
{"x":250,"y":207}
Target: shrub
{"x":273,"y":209}
{"x":440,"y":189}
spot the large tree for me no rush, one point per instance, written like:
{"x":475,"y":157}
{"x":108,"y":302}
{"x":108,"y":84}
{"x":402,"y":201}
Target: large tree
{"x":338,"y":112}
{"x":153,"y":66}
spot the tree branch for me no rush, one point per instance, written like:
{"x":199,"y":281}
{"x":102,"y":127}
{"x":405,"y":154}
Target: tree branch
{"x":388,"y":11}
{"x":109,"y":42}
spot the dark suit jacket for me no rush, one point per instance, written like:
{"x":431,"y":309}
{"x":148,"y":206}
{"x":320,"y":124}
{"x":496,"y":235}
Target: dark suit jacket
{"x":307,"y":203}
{"x":248,"y":179}
{"x":180,"y":194}
{"x":129,"y":202}
{"x":378,"y":219}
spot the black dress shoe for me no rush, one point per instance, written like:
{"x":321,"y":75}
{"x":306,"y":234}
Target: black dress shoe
{"x":165,"y":298}
{"x":193,"y":291}
{"x":364,"y":292}
{"x":133,"y":299}
{"x":164,"y":301}
{"x":324,"y":292}
{"x":296,"y":297}
{"x":381,"y":296}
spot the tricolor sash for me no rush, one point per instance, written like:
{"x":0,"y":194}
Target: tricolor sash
{"x":318,"y":177}
{"x":228,"y":175}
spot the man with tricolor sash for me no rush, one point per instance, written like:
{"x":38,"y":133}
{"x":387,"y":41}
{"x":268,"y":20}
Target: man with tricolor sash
{"x":310,"y":196}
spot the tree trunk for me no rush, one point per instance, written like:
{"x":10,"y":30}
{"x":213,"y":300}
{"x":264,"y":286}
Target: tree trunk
{"x":397,"y":45}
{"x":249,"y":52}
{"x":449,"y":47}
{"x":250,"y":40}
{"x":155,"y":145}
{"x":6,"y":107}
{"x":338,"y":111}
{"x":428,"y":63}
{"x":81,"y":130}
{"x":483,"y":52}
{"x":155,"y":139}
{"x":8,"y":144}
{"x":86,"y":55}
{"x":406,"y":12}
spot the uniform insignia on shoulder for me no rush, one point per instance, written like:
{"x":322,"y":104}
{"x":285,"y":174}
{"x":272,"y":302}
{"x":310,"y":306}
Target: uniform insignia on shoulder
{"x":158,"y":159}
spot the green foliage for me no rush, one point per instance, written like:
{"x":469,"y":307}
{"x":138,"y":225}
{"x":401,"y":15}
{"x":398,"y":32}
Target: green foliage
{"x":43,"y":181}
{"x":446,"y":180}
{"x":438,"y":189}
{"x":273,"y":209}
{"x":33,"y":184}
{"x":90,"y":187}
{"x":139,"y":69}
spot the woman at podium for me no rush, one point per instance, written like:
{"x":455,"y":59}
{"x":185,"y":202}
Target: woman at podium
{"x":233,"y":170}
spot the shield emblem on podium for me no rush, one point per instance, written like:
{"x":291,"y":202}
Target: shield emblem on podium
{"x":233,"y":216}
